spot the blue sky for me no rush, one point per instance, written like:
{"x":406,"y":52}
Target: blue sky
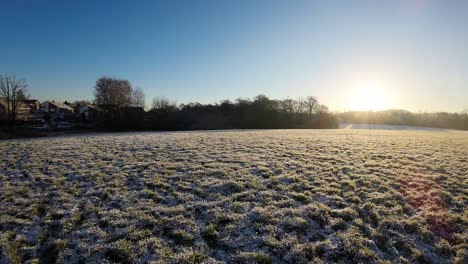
{"x":415,"y":51}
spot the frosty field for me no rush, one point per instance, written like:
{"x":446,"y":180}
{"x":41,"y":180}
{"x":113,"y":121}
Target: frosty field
{"x":282,"y":196}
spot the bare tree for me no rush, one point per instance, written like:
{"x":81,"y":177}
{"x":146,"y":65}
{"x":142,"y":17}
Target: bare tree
{"x":112,"y":91}
{"x":300,"y":106}
{"x":321,"y":109}
{"x":287,"y":105}
{"x":138,"y":98}
{"x":12,"y":90}
{"x":162,"y":104}
{"x":311,"y":103}
{"x":22,"y":95}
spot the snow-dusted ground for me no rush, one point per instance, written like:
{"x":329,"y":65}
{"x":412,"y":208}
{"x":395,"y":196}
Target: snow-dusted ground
{"x":293,"y":196}
{"x":388,"y":127}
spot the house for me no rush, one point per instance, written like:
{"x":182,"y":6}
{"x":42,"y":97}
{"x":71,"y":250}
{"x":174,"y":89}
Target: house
{"x":55,"y":110}
{"x":32,"y":104}
{"x":53,"y":107}
{"x":25,"y":108}
{"x":22,"y":110}
{"x":91,"y":113}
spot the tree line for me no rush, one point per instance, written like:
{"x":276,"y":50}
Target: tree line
{"x":164,"y":114}
{"x":260,"y":112}
{"x":401,"y":117}
{"x":125,"y":105}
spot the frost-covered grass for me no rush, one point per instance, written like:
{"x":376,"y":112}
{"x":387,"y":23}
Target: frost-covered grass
{"x":293,"y":196}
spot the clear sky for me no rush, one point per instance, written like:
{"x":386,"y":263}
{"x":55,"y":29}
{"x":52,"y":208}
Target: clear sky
{"x":414,"y":53}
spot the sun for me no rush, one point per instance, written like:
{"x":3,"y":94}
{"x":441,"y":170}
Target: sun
{"x":370,"y":95}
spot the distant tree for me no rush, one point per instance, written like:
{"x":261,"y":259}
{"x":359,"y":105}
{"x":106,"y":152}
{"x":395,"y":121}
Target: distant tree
{"x":138,"y":98}
{"x":262,"y":102}
{"x":300,"y":106}
{"x":226,"y":106}
{"x":81,"y":102}
{"x":464,"y":120}
{"x":162,"y":104}
{"x":402,"y":117}
{"x":111,"y":91}
{"x":243,"y":102}
{"x":287,"y":106}
{"x":12,"y":90}
{"x":321,"y":109}
{"x":22,"y":95}
{"x":262,"y":99}
{"x":311,"y":104}
{"x":257,"y":113}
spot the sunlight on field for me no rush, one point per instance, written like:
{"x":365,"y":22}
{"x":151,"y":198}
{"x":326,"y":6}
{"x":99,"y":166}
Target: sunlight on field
{"x":294,"y":196}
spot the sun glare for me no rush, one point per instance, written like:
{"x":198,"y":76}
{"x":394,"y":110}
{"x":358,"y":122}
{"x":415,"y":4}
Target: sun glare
{"x":370,"y":95}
